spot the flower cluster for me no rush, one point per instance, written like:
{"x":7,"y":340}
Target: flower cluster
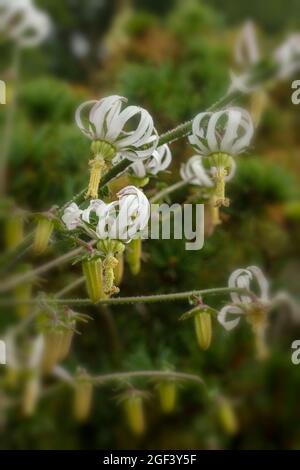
{"x":112,"y":224}
{"x":122,"y":219}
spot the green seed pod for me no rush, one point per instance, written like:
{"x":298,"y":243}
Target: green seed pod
{"x":13,"y":231}
{"x":65,"y":343}
{"x":56,"y":348}
{"x":31,"y":394}
{"x":227,"y":416}
{"x":134,"y":413}
{"x":167,"y":395}
{"x":134,"y":252}
{"x":42,"y":235}
{"x":83,"y":395}
{"x":92,"y":270}
{"x":203,"y":327}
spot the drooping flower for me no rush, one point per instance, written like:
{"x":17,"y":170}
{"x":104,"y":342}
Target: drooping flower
{"x":129,"y":132}
{"x":22,"y":22}
{"x":255,"y":307}
{"x":115,"y":223}
{"x":72,"y":216}
{"x":244,"y":278}
{"x":194,"y":172}
{"x":218,"y":136}
{"x":159,"y":161}
{"x":227,"y":131}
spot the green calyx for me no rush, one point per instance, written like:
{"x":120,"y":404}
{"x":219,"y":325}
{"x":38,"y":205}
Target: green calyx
{"x":101,"y":148}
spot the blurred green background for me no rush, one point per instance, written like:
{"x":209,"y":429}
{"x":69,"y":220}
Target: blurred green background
{"x":171,"y":57}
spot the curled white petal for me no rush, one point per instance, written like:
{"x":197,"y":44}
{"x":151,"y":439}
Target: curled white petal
{"x":97,"y":206}
{"x":130,"y":130}
{"x":194,"y":172}
{"x":225,"y":312}
{"x":72,"y":216}
{"x":262,"y":282}
{"x":229,"y":131}
{"x":159,"y":161}
{"x":245,"y":279}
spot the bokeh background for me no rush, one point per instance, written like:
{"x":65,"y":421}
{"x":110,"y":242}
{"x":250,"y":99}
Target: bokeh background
{"x":173,"y":58}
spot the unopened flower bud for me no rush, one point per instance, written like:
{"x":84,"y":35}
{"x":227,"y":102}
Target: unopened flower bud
{"x":167,"y":395}
{"x":227,"y":416}
{"x":56,"y":347}
{"x":13,"y":231}
{"x":92,"y":270}
{"x":134,"y":255}
{"x":83,"y":395}
{"x":134,"y":412}
{"x":42,"y":235}
{"x":31,"y":394}
{"x":203,"y":327}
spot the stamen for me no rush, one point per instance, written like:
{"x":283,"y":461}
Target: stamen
{"x":219,"y":178}
{"x":97,"y":165}
{"x":109,"y":264}
{"x":214,"y":212}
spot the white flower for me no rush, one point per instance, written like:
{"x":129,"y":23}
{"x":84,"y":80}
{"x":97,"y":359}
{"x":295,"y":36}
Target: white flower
{"x":159,"y":161}
{"x":121,"y":219}
{"x":194,"y":172}
{"x":287,"y":56}
{"x":72,"y":216}
{"x":108,"y":122}
{"x":227,"y":131}
{"x":243,"y":278}
{"x":21,"y":21}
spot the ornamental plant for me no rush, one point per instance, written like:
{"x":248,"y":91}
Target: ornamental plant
{"x":102,"y":227}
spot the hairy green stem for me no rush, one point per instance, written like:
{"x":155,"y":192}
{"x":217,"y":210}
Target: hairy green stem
{"x":138,"y":299}
{"x":155,"y":374}
{"x":65,"y":376}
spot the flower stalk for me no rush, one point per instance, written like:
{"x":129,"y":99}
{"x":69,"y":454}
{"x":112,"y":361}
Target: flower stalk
{"x":134,"y":252}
